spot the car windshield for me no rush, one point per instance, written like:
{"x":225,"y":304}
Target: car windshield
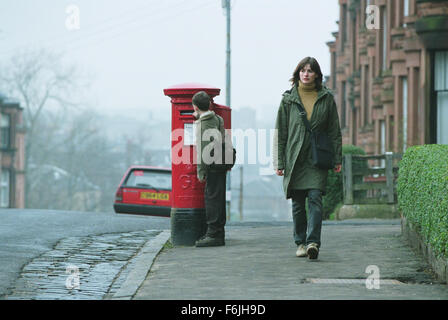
{"x":149,"y":179}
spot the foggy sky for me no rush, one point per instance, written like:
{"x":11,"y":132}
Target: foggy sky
{"x":136,"y":48}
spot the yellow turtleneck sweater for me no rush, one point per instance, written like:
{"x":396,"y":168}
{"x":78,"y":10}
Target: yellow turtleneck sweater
{"x":308,"y":95}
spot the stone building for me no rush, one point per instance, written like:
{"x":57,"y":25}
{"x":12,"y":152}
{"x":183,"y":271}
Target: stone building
{"x":389,"y":71}
{"x":12,"y":155}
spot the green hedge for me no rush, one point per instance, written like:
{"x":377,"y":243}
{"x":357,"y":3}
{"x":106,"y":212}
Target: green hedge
{"x":423,"y":193}
{"x":334,"y":195}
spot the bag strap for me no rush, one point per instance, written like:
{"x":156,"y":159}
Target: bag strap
{"x":304,"y":118}
{"x":302,"y":114}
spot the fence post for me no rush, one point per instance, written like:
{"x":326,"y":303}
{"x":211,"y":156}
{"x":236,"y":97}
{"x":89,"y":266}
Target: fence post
{"x":348,"y":178}
{"x":390,"y":177}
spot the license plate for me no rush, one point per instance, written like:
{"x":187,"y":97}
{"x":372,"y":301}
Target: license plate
{"x":154,"y":196}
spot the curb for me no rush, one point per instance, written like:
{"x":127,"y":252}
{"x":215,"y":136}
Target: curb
{"x":141,"y":264}
{"x":415,"y":240}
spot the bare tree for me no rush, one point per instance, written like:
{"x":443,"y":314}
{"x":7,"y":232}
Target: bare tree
{"x":39,"y":80}
{"x":75,"y":166}
{"x":78,"y":134}
{"x":70,"y":163}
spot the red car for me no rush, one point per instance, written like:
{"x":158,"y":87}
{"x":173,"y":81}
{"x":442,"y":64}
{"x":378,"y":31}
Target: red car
{"x":144,"y":190}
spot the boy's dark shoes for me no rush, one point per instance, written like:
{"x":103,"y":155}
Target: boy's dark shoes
{"x":210,"y":242}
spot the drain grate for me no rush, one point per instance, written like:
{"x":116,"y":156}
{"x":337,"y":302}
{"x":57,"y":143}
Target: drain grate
{"x":349,"y":281}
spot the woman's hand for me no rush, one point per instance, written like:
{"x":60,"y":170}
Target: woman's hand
{"x":338,"y":168}
{"x":279,"y":172}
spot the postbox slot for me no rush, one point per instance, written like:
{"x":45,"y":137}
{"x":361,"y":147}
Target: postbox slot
{"x":186,"y":112}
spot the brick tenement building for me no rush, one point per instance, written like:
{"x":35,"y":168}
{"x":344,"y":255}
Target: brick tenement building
{"x":12,"y":155}
{"x":391,"y":81}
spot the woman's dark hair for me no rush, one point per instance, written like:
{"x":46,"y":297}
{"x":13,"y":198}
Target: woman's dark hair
{"x":314,"y":65}
{"x":201,"y":100}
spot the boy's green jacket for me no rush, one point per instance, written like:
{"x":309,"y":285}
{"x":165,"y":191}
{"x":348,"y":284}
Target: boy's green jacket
{"x":206,"y":121}
{"x":291,"y":150}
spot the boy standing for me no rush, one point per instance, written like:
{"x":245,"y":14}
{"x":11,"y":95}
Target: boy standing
{"x":215,"y":179}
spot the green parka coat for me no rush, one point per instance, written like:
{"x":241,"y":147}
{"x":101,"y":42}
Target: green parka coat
{"x":292,"y":146}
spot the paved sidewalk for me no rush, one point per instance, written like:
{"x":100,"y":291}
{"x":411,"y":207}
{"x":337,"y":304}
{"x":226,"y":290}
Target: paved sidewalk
{"x":259,"y":262}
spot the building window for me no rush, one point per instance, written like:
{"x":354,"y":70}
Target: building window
{"x":406,"y":8}
{"x":441,"y":91}
{"x":383,"y":137}
{"x":404,"y":94}
{"x":405,"y":11}
{"x":4,"y":188}
{"x":5,"y":129}
{"x":382,"y":162}
{"x":366,"y":95}
{"x":384,"y":40}
{"x":333,"y":70}
{"x":353,"y":43}
{"x":344,"y":23}
{"x":343,"y":105}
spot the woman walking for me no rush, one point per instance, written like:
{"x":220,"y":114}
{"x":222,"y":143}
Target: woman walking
{"x":292,"y":151}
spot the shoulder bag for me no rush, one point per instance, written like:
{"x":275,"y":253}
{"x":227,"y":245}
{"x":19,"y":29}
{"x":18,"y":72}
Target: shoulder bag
{"x":321,"y":146}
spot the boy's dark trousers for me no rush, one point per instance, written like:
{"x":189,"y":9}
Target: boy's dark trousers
{"x":215,"y":203}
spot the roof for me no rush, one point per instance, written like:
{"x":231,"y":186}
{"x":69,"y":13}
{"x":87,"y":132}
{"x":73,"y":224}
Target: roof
{"x":8,"y":102}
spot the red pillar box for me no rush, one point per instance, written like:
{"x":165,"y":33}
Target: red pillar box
{"x":188,"y":222}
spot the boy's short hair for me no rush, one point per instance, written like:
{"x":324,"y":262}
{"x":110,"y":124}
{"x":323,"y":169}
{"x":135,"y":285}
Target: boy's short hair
{"x":201,"y":100}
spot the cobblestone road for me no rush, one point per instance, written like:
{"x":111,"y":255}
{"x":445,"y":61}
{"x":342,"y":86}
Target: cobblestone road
{"x":90,"y":267}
